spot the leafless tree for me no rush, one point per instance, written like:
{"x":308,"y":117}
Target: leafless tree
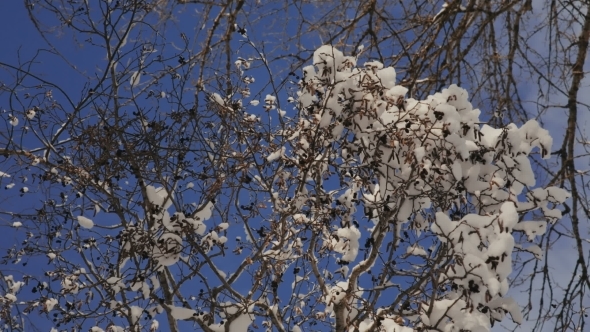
{"x":210,"y":164}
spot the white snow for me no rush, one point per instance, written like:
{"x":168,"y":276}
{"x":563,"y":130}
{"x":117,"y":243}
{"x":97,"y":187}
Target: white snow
{"x":30,"y":113}
{"x":270,"y":102}
{"x":416,"y":250}
{"x":13,"y":120}
{"x":154,"y":326}
{"x":181,"y":313}
{"x":50,"y":304}
{"x":10,"y":297}
{"x":531,"y":228}
{"x":135,"y":312}
{"x":276,"y":155}
{"x":85,"y":222}
{"x":204,"y":214}
{"x":135,"y":78}
{"x":159,"y":197}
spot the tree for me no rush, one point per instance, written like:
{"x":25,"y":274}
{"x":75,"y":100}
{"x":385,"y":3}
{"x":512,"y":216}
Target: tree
{"x":162,"y":193}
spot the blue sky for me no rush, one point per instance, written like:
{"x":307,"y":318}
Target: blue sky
{"x":21,"y":42}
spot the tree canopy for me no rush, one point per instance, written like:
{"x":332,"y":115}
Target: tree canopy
{"x":295,"y":166}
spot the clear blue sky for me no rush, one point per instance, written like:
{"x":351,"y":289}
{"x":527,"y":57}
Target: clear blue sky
{"x":21,"y":42}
